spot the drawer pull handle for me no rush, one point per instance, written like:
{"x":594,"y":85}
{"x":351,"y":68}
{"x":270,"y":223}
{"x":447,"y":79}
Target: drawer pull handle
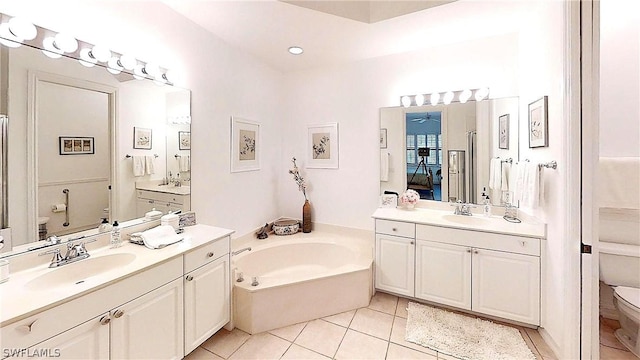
{"x":105,"y":320}
{"x":189,"y":278}
{"x":468,"y":250}
{"x":27,"y":328}
{"x":475,"y":251}
{"x":118,"y":314}
{"x":210,"y":254}
{"x":394,"y":229}
{"x":524,"y":243}
{"x":412,"y":243}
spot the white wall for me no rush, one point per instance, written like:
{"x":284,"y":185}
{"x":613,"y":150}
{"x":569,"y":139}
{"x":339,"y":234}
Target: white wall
{"x":619,"y":78}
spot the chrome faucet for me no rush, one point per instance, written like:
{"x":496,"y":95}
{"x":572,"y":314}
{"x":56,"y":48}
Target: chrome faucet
{"x":75,"y":252}
{"x":462,"y":208}
{"x":241,"y":250}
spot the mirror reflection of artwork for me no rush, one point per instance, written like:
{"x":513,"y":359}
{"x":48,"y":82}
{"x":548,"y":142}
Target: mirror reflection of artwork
{"x":503,"y":132}
{"x":184,"y":140}
{"x":86,"y":145}
{"x":68,"y":145}
{"x":72,"y":145}
{"x":321,"y":146}
{"x":247,"y":145}
{"x":142,"y":138}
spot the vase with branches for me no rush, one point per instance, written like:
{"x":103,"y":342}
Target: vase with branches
{"x":302,"y":186}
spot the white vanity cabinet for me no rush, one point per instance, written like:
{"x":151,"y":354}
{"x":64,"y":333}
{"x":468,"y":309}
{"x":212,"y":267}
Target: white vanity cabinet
{"x":148,"y":200}
{"x":206,"y":292}
{"x":488,"y":273}
{"x":395,"y":254}
{"x":89,"y":341}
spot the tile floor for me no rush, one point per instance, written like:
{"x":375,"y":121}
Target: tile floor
{"x":610,"y":347}
{"x":374,"y":332}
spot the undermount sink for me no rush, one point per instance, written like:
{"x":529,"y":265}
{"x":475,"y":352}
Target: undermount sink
{"x":76,"y":273}
{"x":466,"y":220}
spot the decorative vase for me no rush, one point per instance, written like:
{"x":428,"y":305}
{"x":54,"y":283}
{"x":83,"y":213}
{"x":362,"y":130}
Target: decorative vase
{"x":306,"y":217}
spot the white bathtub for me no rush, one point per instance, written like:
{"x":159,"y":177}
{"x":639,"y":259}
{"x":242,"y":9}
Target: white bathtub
{"x":301,"y":278}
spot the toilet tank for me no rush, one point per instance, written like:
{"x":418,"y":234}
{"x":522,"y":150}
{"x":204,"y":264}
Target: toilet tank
{"x":620,"y":264}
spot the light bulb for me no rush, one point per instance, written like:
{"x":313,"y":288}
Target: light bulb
{"x":7,"y":38}
{"x":406,"y":101}
{"x":128,"y":62}
{"x":482,"y":93}
{"x":22,"y":29}
{"x":138,"y":72}
{"x":448,"y":97}
{"x":65,"y":42}
{"x":435,"y":97}
{"x":464,"y":96}
{"x":419,"y":99}
{"x":113,"y":66}
{"x":50,"y":49}
{"x":152,"y":69}
{"x":86,"y":59}
{"x":171,"y":76}
{"x":101,"y":53}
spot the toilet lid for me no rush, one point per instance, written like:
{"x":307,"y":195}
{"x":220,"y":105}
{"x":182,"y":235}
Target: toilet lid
{"x":629,"y":294}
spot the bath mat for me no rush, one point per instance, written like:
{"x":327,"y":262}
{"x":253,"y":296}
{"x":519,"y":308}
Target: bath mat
{"x":462,"y":336}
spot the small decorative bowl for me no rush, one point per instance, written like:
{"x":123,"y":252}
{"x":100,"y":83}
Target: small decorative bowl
{"x":286,"y":227}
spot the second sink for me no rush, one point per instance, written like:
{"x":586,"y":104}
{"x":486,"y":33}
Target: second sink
{"x":466,"y":220}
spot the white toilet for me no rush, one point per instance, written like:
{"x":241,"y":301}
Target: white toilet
{"x":620,"y":268}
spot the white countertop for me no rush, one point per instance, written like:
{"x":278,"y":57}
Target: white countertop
{"x":18,"y":301}
{"x":169,"y":189}
{"x":493,"y":224}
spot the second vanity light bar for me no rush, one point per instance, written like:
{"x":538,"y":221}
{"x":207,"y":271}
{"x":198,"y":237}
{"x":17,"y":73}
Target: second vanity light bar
{"x":446,"y":98}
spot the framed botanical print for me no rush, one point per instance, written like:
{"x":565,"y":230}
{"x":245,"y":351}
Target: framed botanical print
{"x":322,"y":146}
{"x":73,"y":145}
{"x":245,"y":145}
{"x":142,"y":138}
{"x":538,"y":123}
{"x":184,"y":140}
{"x":383,"y":138}
{"x":503,"y":132}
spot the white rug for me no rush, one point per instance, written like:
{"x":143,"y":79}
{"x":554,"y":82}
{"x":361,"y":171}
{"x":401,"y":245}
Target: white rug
{"x":462,"y":336}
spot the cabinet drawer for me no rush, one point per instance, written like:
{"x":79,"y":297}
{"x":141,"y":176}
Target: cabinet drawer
{"x":205,"y":254}
{"x":479,"y":239}
{"x":160,"y":196}
{"x":396,"y":228}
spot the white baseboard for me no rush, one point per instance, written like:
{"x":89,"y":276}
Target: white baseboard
{"x":550,"y":342}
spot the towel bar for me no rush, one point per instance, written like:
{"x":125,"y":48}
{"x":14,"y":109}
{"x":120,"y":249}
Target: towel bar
{"x":129,"y":156}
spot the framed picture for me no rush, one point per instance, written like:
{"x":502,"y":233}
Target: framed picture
{"x":503,"y":131}
{"x":75,"y":145}
{"x":142,"y":138}
{"x":322,"y":146}
{"x":383,"y":138}
{"x":184,"y":140}
{"x":245,"y":145}
{"x":538,"y":122}
{"x":388,"y":201}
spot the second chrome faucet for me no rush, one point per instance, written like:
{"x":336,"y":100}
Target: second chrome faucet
{"x":75,"y":252}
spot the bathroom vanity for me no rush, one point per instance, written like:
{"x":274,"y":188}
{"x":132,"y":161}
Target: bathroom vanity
{"x":151,"y":195}
{"x":474,"y":263}
{"x":124,"y":303}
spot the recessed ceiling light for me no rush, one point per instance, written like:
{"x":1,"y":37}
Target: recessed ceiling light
{"x":296,"y":50}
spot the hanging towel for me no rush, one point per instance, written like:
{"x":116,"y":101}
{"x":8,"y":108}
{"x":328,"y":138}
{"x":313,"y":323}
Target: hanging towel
{"x":138,"y":165}
{"x":505,"y":167}
{"x":384,"y":166}
{"x":149,"y":164}
{"x":619,"y":182}
{"x":184,"y":163}
{"x":519,"y":180}
{"x":532,"y":189}
{"x":495,"y":174}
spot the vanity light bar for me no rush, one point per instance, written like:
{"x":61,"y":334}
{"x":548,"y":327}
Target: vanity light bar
{"x":15,"y":31}
{"x":446,"y":97}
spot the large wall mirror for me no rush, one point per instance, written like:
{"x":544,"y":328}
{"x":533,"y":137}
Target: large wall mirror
{"x":84,"y":144}
{"x":445,"y":151}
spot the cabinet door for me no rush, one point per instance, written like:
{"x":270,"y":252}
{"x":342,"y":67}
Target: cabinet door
{"x":206,"y":302}
{"x":395,"y":264}
{"x":89,"y":340}
{"x":151,"y":326}
{"x":443,"y":273}
{"x":506,"y":285}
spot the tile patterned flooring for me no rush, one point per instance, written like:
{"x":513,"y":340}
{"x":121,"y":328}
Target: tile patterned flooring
{"x":610,"y":347}
{"x":374,"y":332}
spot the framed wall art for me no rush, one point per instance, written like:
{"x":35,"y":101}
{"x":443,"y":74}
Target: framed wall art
{"x":383,"y":138}
{"x":538,"y":123}
{"x":142,"y":138}
{"x":75,"y":145}
{"x":322,"y":146}
{"x":245,"y":145}
{"x":503,"y":132}
{"x":184,"y":140}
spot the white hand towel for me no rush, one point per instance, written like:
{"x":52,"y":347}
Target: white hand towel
{"x":149,"y":162}
{"x":159,"y":237}
{"x":138,"y":165}
{"x":531,"y":191}
{"x":384,"y":166}
{"x":184,"y":163}
{"x":619,"y":182}
{"x":519,"y":181}
{"x":495,"y":174}
{"x":505,"y":167}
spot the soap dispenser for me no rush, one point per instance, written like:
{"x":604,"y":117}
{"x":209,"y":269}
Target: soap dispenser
{"x":486,"y":208}
{"x":116,"y":239}
{"x":104,"y":226}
